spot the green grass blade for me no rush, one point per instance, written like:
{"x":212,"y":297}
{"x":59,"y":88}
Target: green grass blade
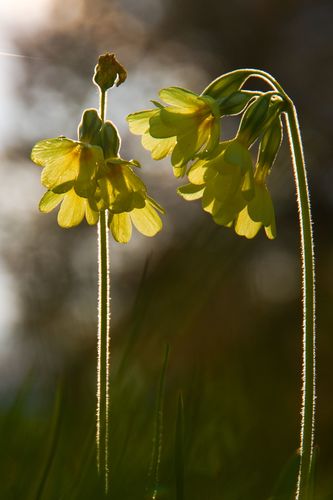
{"x":52,"y":443}
{"x":179,"y":449}
{"x":313,"y":474}
{"x":138,"y":316}
{"x":284,"y":488}
{"x":153,"y":476}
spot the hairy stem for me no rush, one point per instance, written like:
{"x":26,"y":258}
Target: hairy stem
{"x":308,"y":279}
{"x":103,"y":349}
{"x":308,"y":290}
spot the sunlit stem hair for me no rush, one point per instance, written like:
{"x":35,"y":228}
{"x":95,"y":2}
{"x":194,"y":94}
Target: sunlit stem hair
{"x":308,"y":288}
{"x":103,"y":338}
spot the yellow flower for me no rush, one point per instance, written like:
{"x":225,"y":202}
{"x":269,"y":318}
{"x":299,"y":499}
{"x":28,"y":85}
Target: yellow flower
{"x":146,"y":220}
{"x":187,"y":126}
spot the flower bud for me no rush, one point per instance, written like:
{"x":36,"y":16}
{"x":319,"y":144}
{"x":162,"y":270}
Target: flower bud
{"x":109,"y":71}
{"x":253,"y":119}
{"x":269,"y":147}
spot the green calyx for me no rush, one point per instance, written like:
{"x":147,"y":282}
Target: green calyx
{"x":227,"y":84}
{"x":258,"y":117}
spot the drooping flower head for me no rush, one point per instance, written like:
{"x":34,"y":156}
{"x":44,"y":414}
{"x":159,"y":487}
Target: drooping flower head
{"x":221,"y":173}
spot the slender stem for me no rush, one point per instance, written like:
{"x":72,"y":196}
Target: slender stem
{"x":308,"y":279}
{"x":308,"y":290}
{"x":103,"y":374}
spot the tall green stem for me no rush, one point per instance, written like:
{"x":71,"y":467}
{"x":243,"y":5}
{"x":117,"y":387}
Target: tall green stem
{"x":308,"y":279}
{"x":308,"y":290}
{"x":103,"y":375}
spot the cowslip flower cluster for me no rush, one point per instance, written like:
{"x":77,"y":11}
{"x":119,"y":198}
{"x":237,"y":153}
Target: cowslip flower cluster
{"x":88,"y":175}
{"x":221,"y":173}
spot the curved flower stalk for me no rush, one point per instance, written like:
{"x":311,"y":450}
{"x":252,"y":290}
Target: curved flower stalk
{"x":89,"y":179}
{"x":233,"y":189}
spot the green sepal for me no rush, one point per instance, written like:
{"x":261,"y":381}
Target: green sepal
{"x":88,"y":130}
{"x":157,"y":104}
{"x":156,"y":205}
{"x":109,"y":140}
{"x":213,"y":105}
{"x":214,"y":140}
{"x":227,"y":84}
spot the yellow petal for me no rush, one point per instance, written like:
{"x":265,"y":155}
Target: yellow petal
{"x":72,"y":210}
{"x":121,"y":227}
{"x":146,"y":220}
{"x":49,"y":201}
{"x":245,"y":226}
{"x":139,"y":122}
{"x":159,"y":148}
{"x":176,"y":96}
{"x":92,"y":215}
{"x":59,"y":157}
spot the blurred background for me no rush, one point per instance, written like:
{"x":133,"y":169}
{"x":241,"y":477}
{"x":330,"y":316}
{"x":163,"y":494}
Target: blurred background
{"x":229,"y":308}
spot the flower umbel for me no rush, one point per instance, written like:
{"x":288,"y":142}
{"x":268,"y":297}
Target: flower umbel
{"x":221,"y":174}
{"x":88,"y":175}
